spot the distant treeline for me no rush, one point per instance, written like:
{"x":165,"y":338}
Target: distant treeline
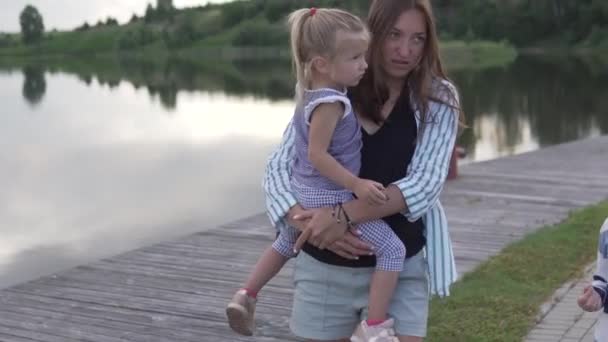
{"x":523,"y":23}
{"x":526,"y":22}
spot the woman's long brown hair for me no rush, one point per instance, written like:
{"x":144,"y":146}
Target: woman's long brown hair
{"x":371,"y":93}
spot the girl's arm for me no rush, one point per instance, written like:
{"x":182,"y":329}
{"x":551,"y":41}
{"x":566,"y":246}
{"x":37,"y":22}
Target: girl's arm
{"x":419,"y":191}
{"x":323,"y":121}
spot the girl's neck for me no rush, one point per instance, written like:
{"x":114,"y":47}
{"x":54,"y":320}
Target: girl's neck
{"x":325,"y":83}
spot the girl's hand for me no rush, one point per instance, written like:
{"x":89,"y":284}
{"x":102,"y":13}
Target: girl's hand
{"x":321,"y":230}
{"x":372,"y":192}
{"x":350,"y":246}
{"x":590,"y":300}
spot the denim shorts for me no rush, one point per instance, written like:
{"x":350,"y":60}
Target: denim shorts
{"x":329,"y":301}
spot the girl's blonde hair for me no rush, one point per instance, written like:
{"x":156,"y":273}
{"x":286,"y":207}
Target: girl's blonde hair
{"x":313,"y":33}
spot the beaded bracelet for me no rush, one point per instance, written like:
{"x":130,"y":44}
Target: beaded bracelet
{"x":349,"y":223}
{"x":335,"y":214}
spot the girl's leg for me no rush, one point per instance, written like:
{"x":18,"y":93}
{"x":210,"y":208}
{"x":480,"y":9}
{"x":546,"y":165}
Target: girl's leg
{"x":271,"y":261}
{"x":390,"y":255}
{"x":241,"y":308}
{"x":410,"y":339}
{"x":381,"y":291}
{"x":268,"y":265}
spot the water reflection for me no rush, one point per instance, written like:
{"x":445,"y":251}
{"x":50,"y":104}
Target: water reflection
{"x":34,"y":84}
{"x":102,"y":169}
{"x":533,"y":102}
{"x":95,"y":201}
{"x":127,"y":153}
{"x":548,"y":101}
{"x":164,"y":79}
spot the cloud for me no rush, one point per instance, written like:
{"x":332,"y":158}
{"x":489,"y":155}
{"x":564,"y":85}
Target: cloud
{"x":68,"y":14}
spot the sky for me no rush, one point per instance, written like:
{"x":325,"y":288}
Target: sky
{"x":68,"y":14}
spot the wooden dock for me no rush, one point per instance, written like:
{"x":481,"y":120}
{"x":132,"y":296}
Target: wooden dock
{"x":176,"y":291}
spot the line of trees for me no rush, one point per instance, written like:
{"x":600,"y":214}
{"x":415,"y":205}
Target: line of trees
{"x":520,"y":22}
{"x":525,"y":22}
{"x":108,"y":22}
{"x":32,"y":25}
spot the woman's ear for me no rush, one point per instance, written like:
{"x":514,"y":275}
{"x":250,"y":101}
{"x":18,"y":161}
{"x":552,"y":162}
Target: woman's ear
{"x":321,"y":64}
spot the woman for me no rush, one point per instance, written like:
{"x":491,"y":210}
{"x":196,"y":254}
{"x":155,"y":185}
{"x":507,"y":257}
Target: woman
{"x":409,"y":114}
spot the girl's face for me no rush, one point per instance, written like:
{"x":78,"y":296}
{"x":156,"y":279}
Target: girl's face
{"x":347,"y":66}
{"x":404,"y":46}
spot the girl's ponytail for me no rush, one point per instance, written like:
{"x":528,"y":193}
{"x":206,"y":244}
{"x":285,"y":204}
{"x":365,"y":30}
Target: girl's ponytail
{"x":296,"y":22}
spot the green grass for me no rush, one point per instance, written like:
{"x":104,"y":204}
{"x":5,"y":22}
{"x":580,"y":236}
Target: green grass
{"x":254,"y":32}
{"x":68,"y":42}
{"x":477,"y":54}
{"x":500,"y":299}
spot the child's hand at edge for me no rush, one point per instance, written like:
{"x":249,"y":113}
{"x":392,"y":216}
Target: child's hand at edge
{"x":590,"y":300}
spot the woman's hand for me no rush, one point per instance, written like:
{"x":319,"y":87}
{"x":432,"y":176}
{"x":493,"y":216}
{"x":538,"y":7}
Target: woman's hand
{"x":321,"y":230}
{"x":350,"y":246}
{"x":590,"y":300}
{"x":297,"y":211}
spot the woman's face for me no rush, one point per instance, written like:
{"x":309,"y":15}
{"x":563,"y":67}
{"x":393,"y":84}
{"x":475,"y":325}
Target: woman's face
{"x":404,"y":46}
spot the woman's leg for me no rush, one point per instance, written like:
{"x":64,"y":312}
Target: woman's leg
{"x":410,"y":305}
{"x":323,"y":307}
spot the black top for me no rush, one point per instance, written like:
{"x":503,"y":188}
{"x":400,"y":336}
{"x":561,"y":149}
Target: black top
{"x":385,"y":157}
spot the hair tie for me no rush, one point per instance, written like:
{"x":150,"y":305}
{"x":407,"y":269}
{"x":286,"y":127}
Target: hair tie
{"x":313,"y":11}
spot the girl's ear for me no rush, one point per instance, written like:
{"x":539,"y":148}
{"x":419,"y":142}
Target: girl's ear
{"x":321,"y":64}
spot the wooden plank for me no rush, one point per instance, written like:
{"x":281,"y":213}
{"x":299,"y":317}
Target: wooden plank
{"x":15,"y":338}
{"x":177,"y":290}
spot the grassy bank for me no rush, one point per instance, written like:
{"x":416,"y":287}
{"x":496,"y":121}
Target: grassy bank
{"x":456,"y":54}
{"x":214,"y":31}
{"x":477,"y":54}
{"x":499,"y":300}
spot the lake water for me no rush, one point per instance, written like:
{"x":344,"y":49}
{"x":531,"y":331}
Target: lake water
{"x":101,"y":157}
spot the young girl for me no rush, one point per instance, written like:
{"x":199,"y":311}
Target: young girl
{"x":595,"y":296}
{"x":328,"y":51}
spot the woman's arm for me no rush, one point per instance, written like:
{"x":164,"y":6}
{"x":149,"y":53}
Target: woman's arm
{"x":430,"y":164}
{"x":276,"y":182}
{"x":323,"y":229}
{"x":419,"y":191}
{"x":281,"y":203}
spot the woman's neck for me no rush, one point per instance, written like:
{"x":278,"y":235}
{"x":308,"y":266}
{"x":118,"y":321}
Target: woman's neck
{"x":395,"y":86}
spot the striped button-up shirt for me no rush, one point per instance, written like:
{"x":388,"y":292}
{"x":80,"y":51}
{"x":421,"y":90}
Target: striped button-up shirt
{"x":421,"y":186}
